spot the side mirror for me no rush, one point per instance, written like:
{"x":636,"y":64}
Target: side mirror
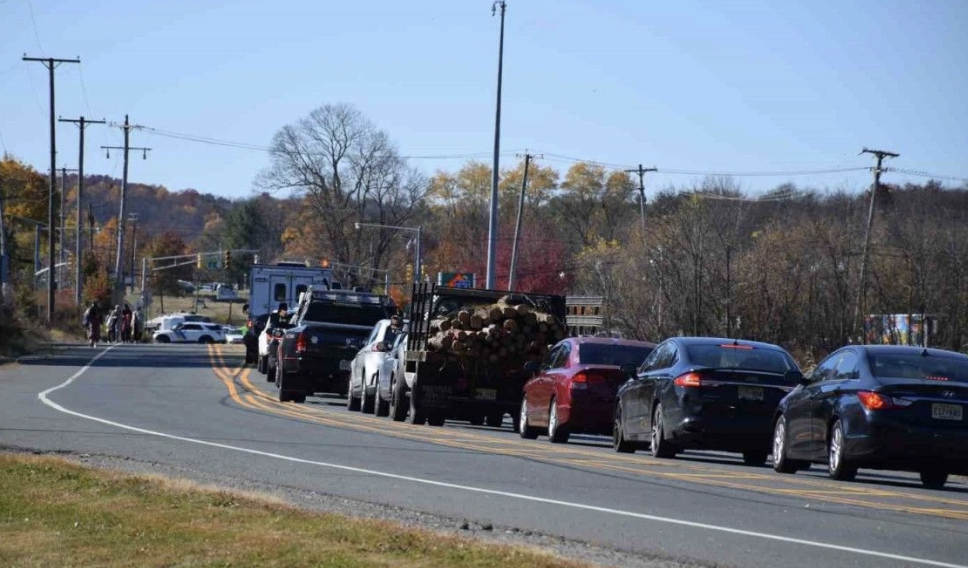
{"x":630,"y":369}
{"x":794,"y":376}
{"x":532,"y":367}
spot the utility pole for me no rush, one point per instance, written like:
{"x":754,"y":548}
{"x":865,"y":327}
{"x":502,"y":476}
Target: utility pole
{"x":119,"y":259}
{"x":512,"y":274}
{"x":642,"y":171}
{"x":3,"y":252}
{"x":78,"y":247}
{"x":61,"y":233}
{"x":90,"y":227}
{"x":495,"y":174}
{"x":134,"y":245}
{"x":860,"y":306}
{"x":51,"y":63}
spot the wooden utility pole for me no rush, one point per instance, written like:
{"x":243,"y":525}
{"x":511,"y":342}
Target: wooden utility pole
{"x":642,"y":171}
{"x":119,"y":259}
{"x":62,"y":228}
{"x":78,"y":247}
{"x":860,"y":306}
{"x":512,"y":274}
{"x":495,"y":173}
{"x":51,"y":63}
{"x":3,"y":251}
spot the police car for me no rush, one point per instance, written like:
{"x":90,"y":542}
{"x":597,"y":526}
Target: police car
{"x":191,"y":332}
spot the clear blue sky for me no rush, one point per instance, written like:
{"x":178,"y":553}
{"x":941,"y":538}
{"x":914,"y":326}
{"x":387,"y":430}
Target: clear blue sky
{"x":711,"y":86}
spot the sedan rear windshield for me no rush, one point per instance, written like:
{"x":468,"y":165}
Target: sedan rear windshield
{"x":598,"y":354}
{"x":366,"y":315}
{"x":745,"y":358}
{"x":916,"y":366}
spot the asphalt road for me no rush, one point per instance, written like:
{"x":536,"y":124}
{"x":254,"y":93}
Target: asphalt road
{"x":198,"y":408}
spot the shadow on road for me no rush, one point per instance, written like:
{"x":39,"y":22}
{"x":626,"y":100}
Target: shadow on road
{"x":128,"y":356}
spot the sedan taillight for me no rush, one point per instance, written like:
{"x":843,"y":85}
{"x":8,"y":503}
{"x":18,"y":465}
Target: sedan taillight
{"x":876,"y":401}
{"x":301,"y":343}
{"x":582,"y":379}
{"x":688,"y":380}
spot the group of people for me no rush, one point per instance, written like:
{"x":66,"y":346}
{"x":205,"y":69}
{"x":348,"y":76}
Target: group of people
{"x":123,"y":324}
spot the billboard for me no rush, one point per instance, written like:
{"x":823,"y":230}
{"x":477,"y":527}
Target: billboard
{"x":456,"y":279}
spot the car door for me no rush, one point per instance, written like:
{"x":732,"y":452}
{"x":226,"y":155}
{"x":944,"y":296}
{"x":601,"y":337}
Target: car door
{"x":545,"y":385}
{"x":537,"y":390}
{"x":641,"y":389}
{"x":188,"y":333}
{"x":657,"y":385}
{"x":800,"y":425}
{"x":827,"y":397}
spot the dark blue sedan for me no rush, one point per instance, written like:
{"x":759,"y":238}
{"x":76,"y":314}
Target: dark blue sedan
{"x":704,"y":392}
{"x":880,"y":407}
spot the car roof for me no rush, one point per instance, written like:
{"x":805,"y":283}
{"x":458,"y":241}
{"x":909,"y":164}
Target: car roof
{"x":726,"y":341}
{"x":611,"y":341}
{"x":909,"y":350}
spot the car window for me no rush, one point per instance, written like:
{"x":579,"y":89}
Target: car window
{"x":562,"y":360}
{"x":740,"y":356}
{"x":931,"y":368}
{"x":299,"y":290}
{"x":279,"y":292}
{"x":376,"y":333}
{"x":845,"y":367}
{"x":549,"y":359}
{"x":661,"y":358}
{"x":191,"y":327}
{"x":618,"y":355}
{"x":649,"y":362}
{"x":826,"y":367}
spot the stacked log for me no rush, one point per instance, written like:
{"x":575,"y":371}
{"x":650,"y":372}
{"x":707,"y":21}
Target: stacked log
{"x":496,"y":332}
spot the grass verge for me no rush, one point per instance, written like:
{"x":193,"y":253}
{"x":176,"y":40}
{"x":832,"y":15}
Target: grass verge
{"x":56,"y":513}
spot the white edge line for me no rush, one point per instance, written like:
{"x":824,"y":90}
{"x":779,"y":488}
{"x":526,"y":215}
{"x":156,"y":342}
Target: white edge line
{"x":43,"y":396}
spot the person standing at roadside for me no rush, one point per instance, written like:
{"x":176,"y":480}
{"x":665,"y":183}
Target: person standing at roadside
{"x":92,"y":321}
{"x":126,"y":322}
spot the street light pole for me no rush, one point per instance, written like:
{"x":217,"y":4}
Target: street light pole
{"x":418,"y":230}
{"x":495,"y":173}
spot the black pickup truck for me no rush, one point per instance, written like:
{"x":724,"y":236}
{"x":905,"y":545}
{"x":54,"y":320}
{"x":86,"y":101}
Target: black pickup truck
{"x":440,"y":385}
{"x":330,"y":326}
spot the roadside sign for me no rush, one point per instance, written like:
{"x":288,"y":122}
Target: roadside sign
{"x":456,"y":279}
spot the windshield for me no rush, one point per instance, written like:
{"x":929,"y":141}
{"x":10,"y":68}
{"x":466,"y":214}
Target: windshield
{"x":599,"y":354}
{"x":916,"y":366}
{"x":355,"y":314}
{"x":746,"y":358}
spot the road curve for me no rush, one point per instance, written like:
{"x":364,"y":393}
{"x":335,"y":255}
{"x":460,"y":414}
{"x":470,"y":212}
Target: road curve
{"x":198,"y":408}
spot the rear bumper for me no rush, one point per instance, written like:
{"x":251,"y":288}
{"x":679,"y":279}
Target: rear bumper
{"x":736,"y":433}
{"x":316,"y":375}
{"x":587,"y":414}
{"x":883,"y":443}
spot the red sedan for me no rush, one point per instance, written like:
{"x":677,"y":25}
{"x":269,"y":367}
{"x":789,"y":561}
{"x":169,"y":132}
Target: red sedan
{"x":574,"y":388}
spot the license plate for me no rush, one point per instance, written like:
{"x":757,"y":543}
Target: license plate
{"x":345,"y":365}
{"x":486,"y":394}
{"x":946,"y":412}
{"x":750,"y":393}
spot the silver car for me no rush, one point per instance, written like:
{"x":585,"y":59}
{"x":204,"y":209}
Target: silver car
{"x":365,"y":367}
{"x":392,"y":372}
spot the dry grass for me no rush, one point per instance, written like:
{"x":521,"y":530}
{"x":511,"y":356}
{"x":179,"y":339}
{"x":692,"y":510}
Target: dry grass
{"x":218,"y":311}
{"x":55,"y":513}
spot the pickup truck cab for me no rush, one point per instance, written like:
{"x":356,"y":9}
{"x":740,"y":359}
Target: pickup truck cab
{"x":330,"y":326}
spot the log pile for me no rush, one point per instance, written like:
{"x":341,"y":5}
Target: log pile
{"x":496,"y":332}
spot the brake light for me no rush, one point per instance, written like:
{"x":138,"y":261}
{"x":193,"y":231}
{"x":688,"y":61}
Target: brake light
{"x":301,"y":344}
{"x":737,"y":346}
{"x":689,"y":380}
{"x":584,"y":378}
{"x":934,"y":378}
{"x":875,"y":401}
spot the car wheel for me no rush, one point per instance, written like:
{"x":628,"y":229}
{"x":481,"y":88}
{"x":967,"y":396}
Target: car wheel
{"x":271,"y":373}
{"x":840,"y":467}
{"x":380,"y":407}
{"x":367,"y":402}
{"x":398,"y":410}
{"x":262,"y":365}
{"x":755,"y":459}
{"x":436,"y":418}
{"x":661,"y":448}
{"x":525,"y":429}
{"x":205,"y":339}
{"x":934,"y":479}
{"x":352,"y":403}
{"x":495,"y":419}
{"x":284,"y":394}
{"x":162,"y":339}
{"x":557,"y":433}
{"x":619,"y":442}
{"x":781,"y":464}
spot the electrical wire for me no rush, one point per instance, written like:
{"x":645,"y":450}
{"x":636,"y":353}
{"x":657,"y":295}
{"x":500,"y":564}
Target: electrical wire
{"x":33,"y":21}
{"x":922,"y":173}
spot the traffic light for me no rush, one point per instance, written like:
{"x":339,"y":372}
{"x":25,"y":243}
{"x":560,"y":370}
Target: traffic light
{"x":198,"y":262}
{"x":228,"y":260}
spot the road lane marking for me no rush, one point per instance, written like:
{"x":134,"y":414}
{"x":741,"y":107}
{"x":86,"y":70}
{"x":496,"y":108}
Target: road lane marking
{"x":824,"y":491}
{"x":44,"y":397}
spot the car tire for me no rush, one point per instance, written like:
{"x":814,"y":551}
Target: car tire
{"x":352,"y":403}
{"x":782,"y":464}
{"x":205,"y":340}
{"x":271,"y":373}
{"x":261,"y":365}
{"x":285,"y":395}
{"x":495,"y":419}
{"x":381,"y":407}
{"x":416,"y":415}
{"x":661,"y":447}
{"x":525,"y":429}
{"x":436,"y":419}
{"x":619,"y":442}
{"x":557,"y":433}
{"x":840,"y":467}
{"x":367,"y":402}
{"x":934,"y":479}
{"x":755,"y":458}
{"x":162,"y":339}
{"x":398,"y":408}
{"x":476,"y":419}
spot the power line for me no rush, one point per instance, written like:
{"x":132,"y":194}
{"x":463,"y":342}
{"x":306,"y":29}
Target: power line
{"x":33,"y":21}
{"x":922,"y":173}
